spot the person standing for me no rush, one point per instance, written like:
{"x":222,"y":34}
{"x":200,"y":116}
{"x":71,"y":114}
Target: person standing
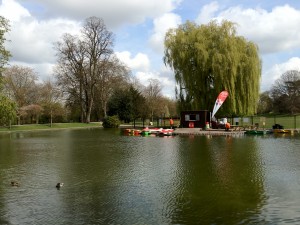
{"x":227,"y":126}
{"x":171,"y":123}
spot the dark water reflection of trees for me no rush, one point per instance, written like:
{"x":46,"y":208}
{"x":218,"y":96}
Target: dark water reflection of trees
{"x":115,"y":179}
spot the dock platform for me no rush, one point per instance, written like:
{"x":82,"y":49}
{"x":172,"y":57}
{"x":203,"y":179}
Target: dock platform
{"x":213,"y":132}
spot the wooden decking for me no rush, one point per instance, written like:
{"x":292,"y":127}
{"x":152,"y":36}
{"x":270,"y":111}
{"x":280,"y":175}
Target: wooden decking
{"x":214,"y":132}
{"x":218,"y":132}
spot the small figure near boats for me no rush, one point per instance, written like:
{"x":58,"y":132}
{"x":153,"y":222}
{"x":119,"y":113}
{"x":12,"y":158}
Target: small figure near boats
{"x":59,"y":185}
{"x":15,"y":184}
{"x":171,"y":123}
{"x":227,"y":126}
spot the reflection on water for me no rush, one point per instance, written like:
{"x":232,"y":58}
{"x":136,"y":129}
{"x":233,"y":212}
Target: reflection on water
{"x":114,"y":179}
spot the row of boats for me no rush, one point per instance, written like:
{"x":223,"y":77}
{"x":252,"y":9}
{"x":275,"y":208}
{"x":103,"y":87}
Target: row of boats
{"x":149,"y":131}
{"x":270,"y":131}
{"x":170,"y":132}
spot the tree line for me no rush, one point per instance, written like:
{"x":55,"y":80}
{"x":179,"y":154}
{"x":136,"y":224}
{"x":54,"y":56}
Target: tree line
{"x":90,"y":83}
{"x":283,"y":97}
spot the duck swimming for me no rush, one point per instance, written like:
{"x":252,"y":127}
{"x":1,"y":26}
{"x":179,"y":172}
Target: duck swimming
{"x":14,"y":183}
{"x":59,"y":185}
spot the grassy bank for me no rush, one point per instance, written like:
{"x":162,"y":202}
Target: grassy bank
{"x":28,"y":127}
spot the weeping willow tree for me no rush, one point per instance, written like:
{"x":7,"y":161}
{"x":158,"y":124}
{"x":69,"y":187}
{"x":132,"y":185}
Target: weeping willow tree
{"x":208,"y":59}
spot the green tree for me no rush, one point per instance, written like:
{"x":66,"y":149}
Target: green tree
{"x":128,"y":104}
{"x":265,"y":103}
{"x":7,"y":110}
{"x":7,"y":106}
{"x":111,"y":122}
{"x":4,"y":54}
{"x":208,"y":59}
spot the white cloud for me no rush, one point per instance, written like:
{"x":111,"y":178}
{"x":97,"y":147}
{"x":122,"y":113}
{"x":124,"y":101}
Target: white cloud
{"x":114,"y":13}
{"x":140,"y":66}
{"x":32,"y":41}
{"x":139,"y":62}
{"x":274,"y":31}
{"x":167,"y":85}
{"x":36,"y":42}
{"x":161,"y":26}
{"x":207,"y":13}
{"x":277,"y":70}
{"x":43,"y":70}
{"x":9,"y":6}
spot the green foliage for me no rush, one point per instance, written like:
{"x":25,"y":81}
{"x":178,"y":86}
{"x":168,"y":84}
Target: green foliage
{"x":4,"y":54}
{"x":7,"y":110}
{"x":265,"y":103}
{"x":208,"y":59}
{"x":128,"y":104}
{"x":111,"y":122}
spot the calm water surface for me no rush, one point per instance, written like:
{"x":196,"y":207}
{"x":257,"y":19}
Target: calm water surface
{"x":114,"y":179}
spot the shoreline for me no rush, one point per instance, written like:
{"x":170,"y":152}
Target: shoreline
{"x":177,"y":131}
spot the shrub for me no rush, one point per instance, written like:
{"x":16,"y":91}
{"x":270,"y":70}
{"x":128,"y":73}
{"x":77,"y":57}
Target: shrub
{"x":111,"y":122}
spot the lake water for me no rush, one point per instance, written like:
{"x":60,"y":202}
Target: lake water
{"x":110,"y":178}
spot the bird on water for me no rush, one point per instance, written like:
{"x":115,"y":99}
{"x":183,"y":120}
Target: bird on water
{"x":59,"y":185}
{"x":15,"y":183}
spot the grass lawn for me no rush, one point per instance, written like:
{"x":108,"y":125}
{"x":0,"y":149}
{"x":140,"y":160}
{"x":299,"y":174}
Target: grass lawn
{"x":27,"y":127}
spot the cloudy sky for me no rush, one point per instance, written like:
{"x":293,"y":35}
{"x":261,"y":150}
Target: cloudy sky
{"x":140,"y":25}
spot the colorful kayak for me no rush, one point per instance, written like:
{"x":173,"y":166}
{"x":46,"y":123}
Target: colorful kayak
{"x":166,"y":132}
{"x":149,"y":131}
{"x":281,"y":131}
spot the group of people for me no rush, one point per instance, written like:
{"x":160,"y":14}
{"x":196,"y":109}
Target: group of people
{"x":222,"y":123}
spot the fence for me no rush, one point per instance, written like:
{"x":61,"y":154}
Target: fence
{"x":287,"y":121}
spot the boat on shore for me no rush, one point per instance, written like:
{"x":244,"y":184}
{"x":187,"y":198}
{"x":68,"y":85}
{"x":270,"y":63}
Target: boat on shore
{"x":257,"y":132}
{"x":149,"y":132}
{"x":166,"y":132}
{"x":282,"y":131}
{"x":134,"y":132}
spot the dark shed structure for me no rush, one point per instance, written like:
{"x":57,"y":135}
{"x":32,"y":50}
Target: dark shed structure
{"x":191,"y":119}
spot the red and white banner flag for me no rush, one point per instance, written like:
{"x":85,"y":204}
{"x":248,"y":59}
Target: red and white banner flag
{"x":221,"y":98}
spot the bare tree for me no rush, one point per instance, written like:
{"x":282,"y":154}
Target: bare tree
{"x":112,"y":74}
{"x":79,"y":60}
{"x":286,"y":92}
{"x":51,"y":100}
{"x":154,"y":98}
{"x":20,"y":85}
{"x":31,"y":112}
